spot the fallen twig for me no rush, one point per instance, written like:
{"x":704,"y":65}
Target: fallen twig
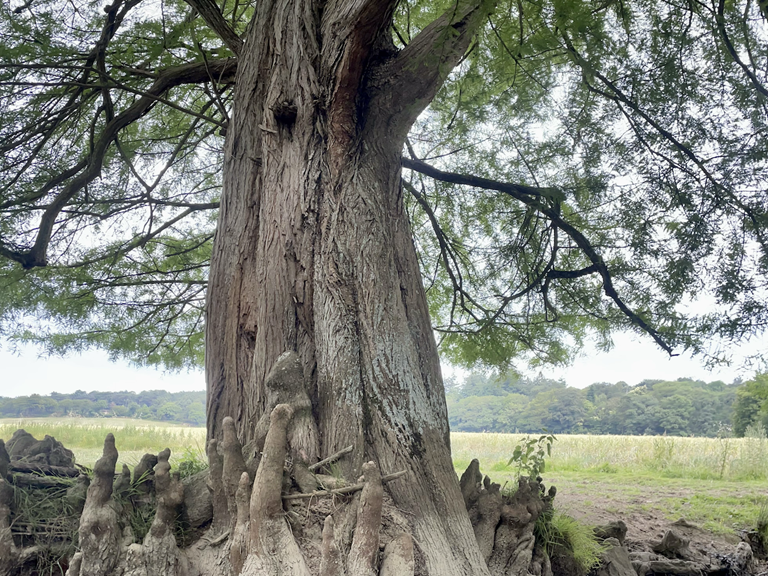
{"x":331,"y":458}
{"x":346,"y":490}
{"x":218,"y":540}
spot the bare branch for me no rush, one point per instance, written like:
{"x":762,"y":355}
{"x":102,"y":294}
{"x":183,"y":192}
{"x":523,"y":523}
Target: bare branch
{"x":213,"y":17}
{"x":553,"y":213}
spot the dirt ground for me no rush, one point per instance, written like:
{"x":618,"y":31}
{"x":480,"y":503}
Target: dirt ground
{"x":649,"y":511}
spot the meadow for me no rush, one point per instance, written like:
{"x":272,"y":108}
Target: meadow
{"x":719,"y":483}
{"x":133,"y":437}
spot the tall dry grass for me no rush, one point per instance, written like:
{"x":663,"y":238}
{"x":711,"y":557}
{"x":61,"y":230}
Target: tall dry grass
{"x":133,"y":438}
{"x":700,"y":458}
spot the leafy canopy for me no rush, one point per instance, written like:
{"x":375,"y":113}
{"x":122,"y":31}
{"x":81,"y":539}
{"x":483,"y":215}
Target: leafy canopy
{"x":588,"y":166}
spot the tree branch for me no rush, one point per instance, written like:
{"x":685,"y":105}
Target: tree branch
{"x":192,"y":73}
{"x":351,"y":29}
{"x":572,"y":273}
{"x":213,"y":17}
{"x":528,"y":196}
{"x":403,"y":87}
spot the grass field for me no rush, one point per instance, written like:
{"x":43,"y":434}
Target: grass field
{"x":720,"y":484}
{"x":664,"y":456}
{"x":133,"y":438}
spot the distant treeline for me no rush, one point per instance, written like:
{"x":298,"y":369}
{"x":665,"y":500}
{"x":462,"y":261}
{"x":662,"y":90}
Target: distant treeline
{"x":183,"y":407}
{"x":683,"y":407}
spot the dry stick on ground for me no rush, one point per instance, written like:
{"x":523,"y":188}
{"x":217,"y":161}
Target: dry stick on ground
{"x":345,"y":490}
{"x":331,"y":458}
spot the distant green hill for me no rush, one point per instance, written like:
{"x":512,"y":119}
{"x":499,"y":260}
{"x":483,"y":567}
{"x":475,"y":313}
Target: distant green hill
{"x":183,"y":407}
{"x":684,"y":407}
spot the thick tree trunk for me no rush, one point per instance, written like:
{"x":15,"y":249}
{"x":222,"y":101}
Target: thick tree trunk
{"x":314,"y":252}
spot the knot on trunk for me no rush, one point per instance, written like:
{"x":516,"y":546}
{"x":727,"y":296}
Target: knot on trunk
{"x":285,"y":384}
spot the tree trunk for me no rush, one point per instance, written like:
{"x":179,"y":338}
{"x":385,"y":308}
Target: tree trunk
{"x":314,"y":252}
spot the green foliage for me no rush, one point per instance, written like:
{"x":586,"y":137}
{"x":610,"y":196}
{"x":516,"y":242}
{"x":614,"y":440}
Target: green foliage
{"x":192,"y":461}
{"x":559,"y":530}
{"x":637,"y":125}
{"x":511,"y":403}
{"x":761,"y":526}
{"x":623,"y":109}
{"x":751,"y":405}
{"x":529,"y":456}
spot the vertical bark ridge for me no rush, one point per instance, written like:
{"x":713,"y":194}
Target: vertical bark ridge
{"x":314,"y":254}
{"x":265,"y":241}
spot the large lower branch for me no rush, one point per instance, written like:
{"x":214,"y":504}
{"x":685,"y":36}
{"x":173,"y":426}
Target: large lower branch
{"x":213,"y":17}
{"x":405,"y":85}
{"x":532,"y":197}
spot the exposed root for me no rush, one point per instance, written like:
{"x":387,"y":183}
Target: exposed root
{"x":331,"y":564}
{"x":398,"y":557}
{"x":100,"y":532}
{"x":272,"y":547}
{"x":487,"y":513}
{"x":504,"y":525}
{"x":233,"y":466}
{"x":144,"y":475}
{"x":238,"y":550}
{"x":161,"y":554}
{"x":364,"y":553}
{"x":122,"y":486}
{"x":221,"y":518}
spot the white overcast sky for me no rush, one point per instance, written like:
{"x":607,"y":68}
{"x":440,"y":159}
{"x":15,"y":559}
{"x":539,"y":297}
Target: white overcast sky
{"x":632,"y":360}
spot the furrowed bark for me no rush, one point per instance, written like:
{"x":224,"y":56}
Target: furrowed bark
{"x":314,"y":252}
